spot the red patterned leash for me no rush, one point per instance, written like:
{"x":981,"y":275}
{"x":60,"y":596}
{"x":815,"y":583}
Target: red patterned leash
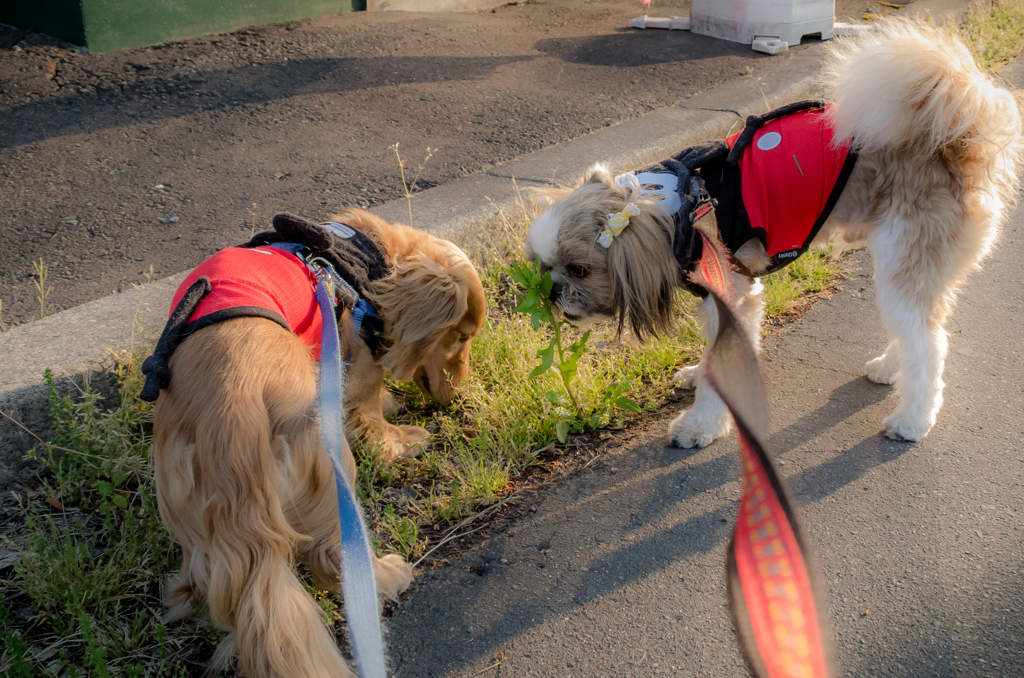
{"x":773,"y":591}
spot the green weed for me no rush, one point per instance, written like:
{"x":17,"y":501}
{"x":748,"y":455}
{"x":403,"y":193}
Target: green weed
{"x":14,"y":659}
{"x":409,"y":187}
{"x":95,"y":556}
{"x":403,"y":532}
{"x":535,"y":303}
{"x":994,"y":34}
{"x":328,"y":601}
{"x":812,"y":273}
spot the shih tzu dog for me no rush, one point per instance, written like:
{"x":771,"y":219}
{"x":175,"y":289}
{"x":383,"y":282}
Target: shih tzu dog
{"x":917,"y":155}
{"x":243,"y":480}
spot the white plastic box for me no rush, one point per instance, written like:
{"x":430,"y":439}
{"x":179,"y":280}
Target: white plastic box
{"x":745,"y":20}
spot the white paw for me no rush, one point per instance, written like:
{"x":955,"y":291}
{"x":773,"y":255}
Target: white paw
{"x":902,"y":425}
{"x":686,"y":377}
{"x":882,"y":370}
{"x":697,"y":427}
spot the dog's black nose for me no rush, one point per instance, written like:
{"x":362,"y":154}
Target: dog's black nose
{"x":556,"y":291}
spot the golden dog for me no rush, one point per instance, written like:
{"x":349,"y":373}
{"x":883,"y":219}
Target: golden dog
{"x":242,"y":478}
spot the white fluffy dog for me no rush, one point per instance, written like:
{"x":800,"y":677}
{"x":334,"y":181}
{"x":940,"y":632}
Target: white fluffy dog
{"x":934,"y":156}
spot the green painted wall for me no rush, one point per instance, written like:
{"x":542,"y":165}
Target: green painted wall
{"x":106,"y":25}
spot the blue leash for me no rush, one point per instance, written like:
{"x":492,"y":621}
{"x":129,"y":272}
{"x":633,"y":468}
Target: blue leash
{"x":358,"y":582}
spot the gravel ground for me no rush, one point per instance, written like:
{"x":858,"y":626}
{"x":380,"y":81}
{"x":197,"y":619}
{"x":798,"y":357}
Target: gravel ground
{"x":123,"y":165}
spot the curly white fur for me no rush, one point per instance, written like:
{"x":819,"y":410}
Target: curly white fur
{"x":939,"y":149}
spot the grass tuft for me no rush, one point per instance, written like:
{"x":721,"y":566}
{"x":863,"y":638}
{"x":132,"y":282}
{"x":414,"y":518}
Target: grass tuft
{"x":995,"y":33}
{"x":94,"y":553}
{"x":43,"y":287}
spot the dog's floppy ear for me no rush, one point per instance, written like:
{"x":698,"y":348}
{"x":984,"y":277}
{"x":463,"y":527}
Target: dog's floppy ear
{"x":421,"y":298}
{"x":644,"y":273}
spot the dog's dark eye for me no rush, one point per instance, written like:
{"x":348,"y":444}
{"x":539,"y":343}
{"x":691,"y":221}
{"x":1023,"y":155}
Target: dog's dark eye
{"x":577,"y":271}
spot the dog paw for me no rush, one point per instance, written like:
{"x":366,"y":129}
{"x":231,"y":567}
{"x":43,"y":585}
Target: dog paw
{"x":406,"y":441}
{"x":697,"y":428}
{"x":394,"y":575}
{"x":882,"y":370}
{"x":686,"y":377}
{"x":906,"y":426}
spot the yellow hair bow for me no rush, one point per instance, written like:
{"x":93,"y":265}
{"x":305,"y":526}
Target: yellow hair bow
{"x":616,"y":224}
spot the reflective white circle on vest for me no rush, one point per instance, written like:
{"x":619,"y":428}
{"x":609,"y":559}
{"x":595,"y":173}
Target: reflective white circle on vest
{"x":769,"y":141}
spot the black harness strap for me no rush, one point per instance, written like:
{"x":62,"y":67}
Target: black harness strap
{"x":756,"y":122}
{"x":158,"y":374}
{"x":355,"y":257}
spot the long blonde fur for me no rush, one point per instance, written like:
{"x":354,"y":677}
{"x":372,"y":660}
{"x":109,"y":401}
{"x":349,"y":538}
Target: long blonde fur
{"x":433,"y":306}
{"x":244,"y":485}
{"x":243,"y":481}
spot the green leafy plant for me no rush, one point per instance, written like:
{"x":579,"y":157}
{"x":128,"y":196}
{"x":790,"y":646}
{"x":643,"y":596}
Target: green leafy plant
{"x":564,"y":360}
{"x":403,"y":532}
{"x":95,"y":551}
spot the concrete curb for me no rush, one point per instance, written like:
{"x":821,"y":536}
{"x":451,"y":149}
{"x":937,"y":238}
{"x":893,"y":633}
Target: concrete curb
{"x":78,"y":342}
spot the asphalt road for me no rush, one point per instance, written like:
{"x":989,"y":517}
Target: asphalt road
{"x":620,"y":572}
{"x":301,"y":117}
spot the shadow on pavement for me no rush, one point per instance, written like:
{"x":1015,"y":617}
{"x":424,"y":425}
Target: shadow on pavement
{"x":843,"y":402}
{"x":183,"y":95}
{"x":652,"y":504}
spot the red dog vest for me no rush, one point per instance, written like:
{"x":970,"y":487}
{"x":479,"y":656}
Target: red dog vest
{"x":776,"y":180}
{"x":265,"y":282}
{"x":789,"y":171}
{"x":264,"y":279}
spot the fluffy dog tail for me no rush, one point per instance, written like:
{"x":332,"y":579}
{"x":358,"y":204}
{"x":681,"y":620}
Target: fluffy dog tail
{"x":915,"y":90}
{"x":279,"y":629}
